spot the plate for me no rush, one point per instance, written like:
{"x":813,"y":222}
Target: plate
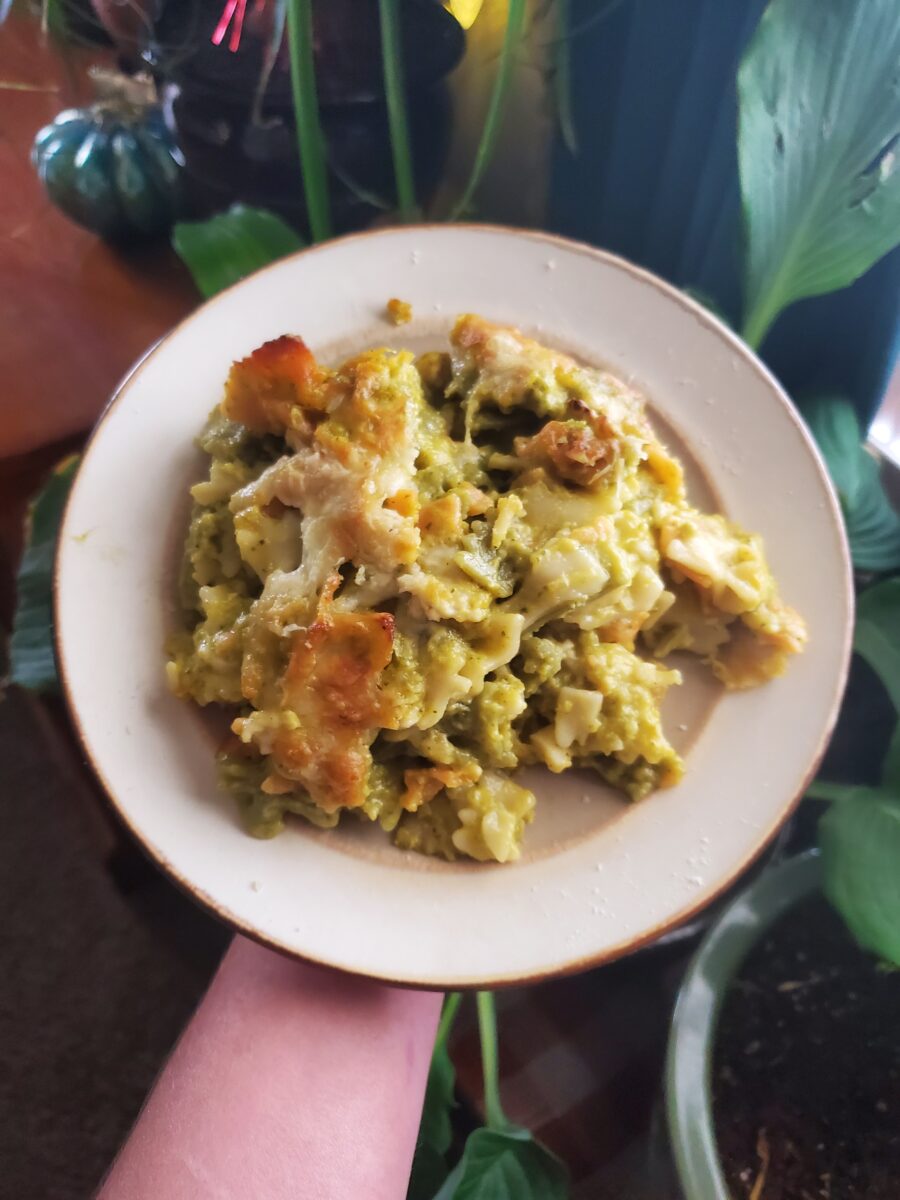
{"x":599,"y":877}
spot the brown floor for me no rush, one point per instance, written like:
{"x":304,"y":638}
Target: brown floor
{"x":94,"y":987}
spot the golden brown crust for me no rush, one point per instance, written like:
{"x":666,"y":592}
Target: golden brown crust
{"x":573,"y":448}
{"x":332,"y":685}
{"x":390,"y":493}
{"x":422,"y":784}
{"x":265,"y":388}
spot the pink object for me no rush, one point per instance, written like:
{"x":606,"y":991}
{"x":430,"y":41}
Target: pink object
{"x":290,"y":1082}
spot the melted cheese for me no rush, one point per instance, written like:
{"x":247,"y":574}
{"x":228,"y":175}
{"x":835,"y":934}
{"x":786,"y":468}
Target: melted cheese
{"x":415,"y":575}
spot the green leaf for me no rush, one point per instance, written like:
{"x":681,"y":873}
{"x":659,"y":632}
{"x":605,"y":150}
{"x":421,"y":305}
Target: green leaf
{"x":877,"y":636}
{"x":231,"y":245}
{"x":32,"y":660}
{"x":562,"y":77}
{"x":429,"y":1167}
{"x":436,"y":1128}
{"x":873,"y":527}
{"x":395,"y":98}
{"x":890,"y":768}
{"x":429,"y":1171}
{"x":860,"y":844}
{"x":877,"y":639}
{"x":310,"y":138}
{"x":506,"y":1165}
{"x":819,"y":120}
{"x":515,"y":24}
{"x":841,"y":793}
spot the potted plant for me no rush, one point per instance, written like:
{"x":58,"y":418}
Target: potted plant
{"x":783,"y":1070}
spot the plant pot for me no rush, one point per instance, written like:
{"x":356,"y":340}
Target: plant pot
{"x":782,"y":1061}
{"x":689,"y":1103}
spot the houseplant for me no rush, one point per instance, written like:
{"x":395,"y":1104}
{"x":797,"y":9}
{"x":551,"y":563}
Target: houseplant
{"x":781,"y":1077}
{"x":782,"y":1063}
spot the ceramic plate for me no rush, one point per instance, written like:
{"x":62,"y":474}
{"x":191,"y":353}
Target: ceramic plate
{"x":598,"y":877}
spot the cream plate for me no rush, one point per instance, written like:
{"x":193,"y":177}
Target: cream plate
{"x":598,"y":877}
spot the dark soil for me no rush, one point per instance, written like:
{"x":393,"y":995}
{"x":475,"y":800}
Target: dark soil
{"x":806,"y":1076}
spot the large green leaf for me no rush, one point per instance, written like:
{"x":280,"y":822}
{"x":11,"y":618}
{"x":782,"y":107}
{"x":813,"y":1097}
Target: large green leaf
{"x":890,"y":767}
{"x":873,"y":526}
{"x":877,"y":639}
{"x":877,"y":636}
{"x":225,"y":248}
{"x":860,"y":842}
{"x":505,"y":1165}
{"x":860,"y":834}
{"x":32,"y":661}
{"x":819,"y":95}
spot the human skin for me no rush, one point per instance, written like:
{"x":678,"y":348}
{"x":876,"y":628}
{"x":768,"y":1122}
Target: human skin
{"x":291,"y":1082}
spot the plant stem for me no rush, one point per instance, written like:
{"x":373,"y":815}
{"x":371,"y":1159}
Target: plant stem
{"x":310,"y":140}
{"x":758,"y":322}
{"x":448,"y":1016}
{"x":515,"y":22}
{"x":562,"y":78}
{"x":487,"y":1033}
{"x":395,"y":95}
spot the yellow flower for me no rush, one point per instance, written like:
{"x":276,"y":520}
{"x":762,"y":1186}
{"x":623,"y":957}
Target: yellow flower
{"x":465,"y":11}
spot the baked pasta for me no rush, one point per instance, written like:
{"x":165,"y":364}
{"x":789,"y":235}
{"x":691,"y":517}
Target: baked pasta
{"x":410,"y":576}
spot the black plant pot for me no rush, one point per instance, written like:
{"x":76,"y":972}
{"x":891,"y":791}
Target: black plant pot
{"x":238,"y":137}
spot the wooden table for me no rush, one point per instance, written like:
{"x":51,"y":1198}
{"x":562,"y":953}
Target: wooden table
{"x":74,"y":313}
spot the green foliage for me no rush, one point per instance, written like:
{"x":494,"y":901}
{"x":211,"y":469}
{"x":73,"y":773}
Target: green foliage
{"x":817,"y":149}
{"x":873,"y":526}
{"x":562,"y":77}
{"x":860,"y":842}
{"x":430,"y":1168}
{"x":505,"y":1164}
{"x":515,"y":24}
{"x":877,"y":639}
{"x":877,"y":636}
{"x":860,"y":833}
{"x":32,"y":660}
{"x":310,"y":138}
{"x":227,"y":247}
{"x":500,"y":1161}
{"x":395,"y":96}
